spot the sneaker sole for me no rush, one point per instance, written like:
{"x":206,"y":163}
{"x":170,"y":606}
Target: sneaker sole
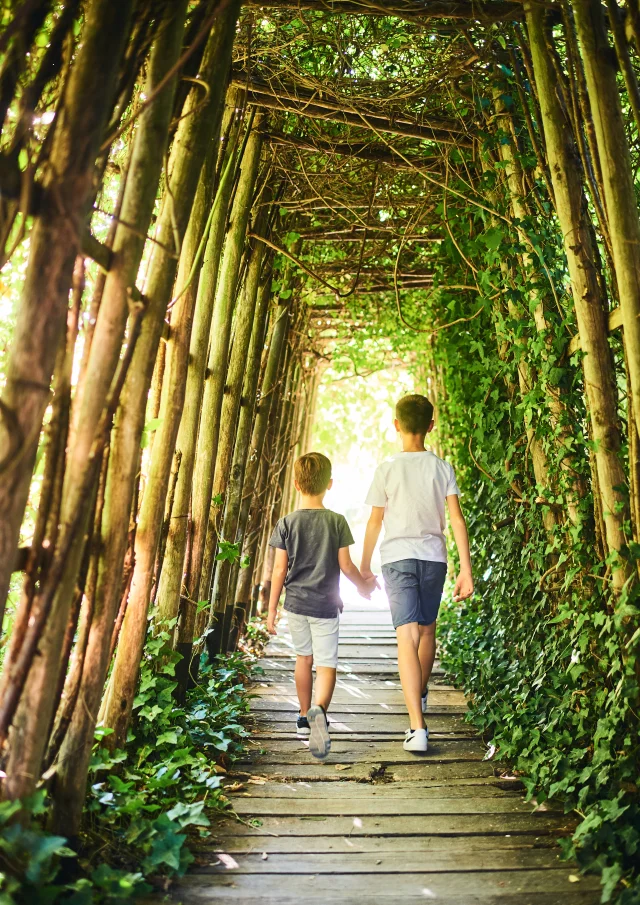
{"x":303,"y":733}
{"x":319,"y":739}
{"x":417,"y":750}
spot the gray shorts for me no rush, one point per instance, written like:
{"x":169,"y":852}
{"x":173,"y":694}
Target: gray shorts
{"x":414,"y":588}
{"x":313,"y":635}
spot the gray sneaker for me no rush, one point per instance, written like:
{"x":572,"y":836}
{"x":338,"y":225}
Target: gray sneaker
{"x":319,"y":740}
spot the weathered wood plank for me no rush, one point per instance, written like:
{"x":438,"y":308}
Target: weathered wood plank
{"x":374,"y":723}
{"x":340,"y":732}
{"x":404,"y":825}
{"x":423,"y":771}
{"x":377,"y":806}
{"x":381,"y":695}
{"x":449,"y":884}
{"x":360,"y":791}
{"x":263,"y":703}
{"x":365,"y":751}
{"x":384,"y":862}
{"x":398,"y":846}
{"x":189,"y":896}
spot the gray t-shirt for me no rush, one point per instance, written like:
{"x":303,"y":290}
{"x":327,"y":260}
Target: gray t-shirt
{"x":312,"y":538}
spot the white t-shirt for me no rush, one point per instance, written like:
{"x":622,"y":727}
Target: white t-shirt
{"x":412,"y":487}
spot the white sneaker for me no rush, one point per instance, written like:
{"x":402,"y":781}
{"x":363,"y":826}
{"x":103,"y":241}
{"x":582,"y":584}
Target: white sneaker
{"x":416,"y":740}
{"x":425,"y":699}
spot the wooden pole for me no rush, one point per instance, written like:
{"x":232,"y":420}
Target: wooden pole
{"x":572,"y":212}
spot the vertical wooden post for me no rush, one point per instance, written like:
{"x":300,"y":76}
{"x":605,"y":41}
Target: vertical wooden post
{"x":599,"y":376}
{"x":218,"y":360}
{"x":617,"y":176}
{"x":54,"y":244}
{"x":190,"y":145}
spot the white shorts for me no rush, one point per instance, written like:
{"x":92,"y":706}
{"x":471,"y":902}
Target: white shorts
{"x":319,"y":637}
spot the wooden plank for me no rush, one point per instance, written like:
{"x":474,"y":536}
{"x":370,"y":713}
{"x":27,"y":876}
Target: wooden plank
{"x":354,"y":667}
{"x":360,"y":791}
{"x":384,"y":862}
{"x":405,"y":825}
{"x":354,"y":694}
{"x":343,"y":733}
{"x":377,"y":806}
{"x":264,"y":704}
{"x":364,"y":751}
{"x":449,"y":884}
{"x":358,"y":650}
{"x":285,"y":721}
{"x":398,"y":846}
{"x":186,"y":895}
{"x":423,"y":771}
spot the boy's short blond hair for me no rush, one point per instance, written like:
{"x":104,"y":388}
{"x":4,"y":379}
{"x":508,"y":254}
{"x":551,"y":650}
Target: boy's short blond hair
{"x":313,"y":473}
{"x":414,"y":414}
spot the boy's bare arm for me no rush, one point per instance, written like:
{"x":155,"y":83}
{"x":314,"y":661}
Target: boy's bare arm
{"x":351,"y":571}
{"x":464,"y":582}
{"x":280,"y":566}
{"x":374,"y":526}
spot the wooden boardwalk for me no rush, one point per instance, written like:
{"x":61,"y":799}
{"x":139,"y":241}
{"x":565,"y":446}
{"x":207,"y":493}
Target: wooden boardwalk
{"x":374,"y":823}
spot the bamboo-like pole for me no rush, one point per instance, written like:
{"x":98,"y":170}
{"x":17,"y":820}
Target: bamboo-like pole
{"x":571,"y":207}
{"x":270,"y":383}
{"x":231,"y":526}
{"x":540,"y":302}
{"x":244,"y":321}
{"x":190,"y":145}
{"x":54,"y":245}
{"x":225,"y":298}
{"x":617,"y":176}
{"x":174,"y":567}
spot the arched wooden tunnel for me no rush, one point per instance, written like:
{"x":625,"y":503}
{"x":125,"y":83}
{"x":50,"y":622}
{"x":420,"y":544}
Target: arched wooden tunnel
{"x":204,"y":205}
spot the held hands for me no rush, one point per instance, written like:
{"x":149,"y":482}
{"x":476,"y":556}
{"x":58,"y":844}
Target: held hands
{"x":463,"y":587}
{"x":370,"y":583}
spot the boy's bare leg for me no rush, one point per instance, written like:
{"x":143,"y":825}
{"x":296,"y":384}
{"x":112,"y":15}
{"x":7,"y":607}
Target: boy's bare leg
{"x":427,"y":652}
{"x":304,"y":682}
{"x":410,"y":671}
{"x":325,"y":683}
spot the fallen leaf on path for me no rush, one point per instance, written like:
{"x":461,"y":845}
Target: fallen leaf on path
{"x":573,"y":878}
{"x":264,"y":856}
{"x":343,"y":766}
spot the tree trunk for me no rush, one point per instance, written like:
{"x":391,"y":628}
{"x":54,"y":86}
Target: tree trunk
{"x":617,"y":176}
{"x":218,"y":360}
{"x":54,"y":244}
{"x":599,"y":376}
{"x":531,"y":266}
{"x":175,"y":562}
{"x":270,"y":384}
{"x":247,"y":324}
{"x":193,"y":138}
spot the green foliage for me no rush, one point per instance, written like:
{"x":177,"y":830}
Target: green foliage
{"x":228,"y":551}
{"x":144,"y":802}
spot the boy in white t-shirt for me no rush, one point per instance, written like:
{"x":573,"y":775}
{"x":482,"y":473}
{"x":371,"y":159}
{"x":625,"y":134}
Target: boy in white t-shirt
{"x":408,"y":493}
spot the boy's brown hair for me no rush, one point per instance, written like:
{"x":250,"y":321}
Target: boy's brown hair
{"x":414,"y":414}
{"x":313,"y":473}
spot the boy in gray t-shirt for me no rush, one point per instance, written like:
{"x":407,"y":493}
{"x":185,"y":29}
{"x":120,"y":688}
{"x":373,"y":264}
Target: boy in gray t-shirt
{"x":311,"y":549}
{"x":408,"y":493}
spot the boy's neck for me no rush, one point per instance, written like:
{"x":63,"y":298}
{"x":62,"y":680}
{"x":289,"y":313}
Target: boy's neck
{"x":412,"y":442}
{"x":312,"y":502}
